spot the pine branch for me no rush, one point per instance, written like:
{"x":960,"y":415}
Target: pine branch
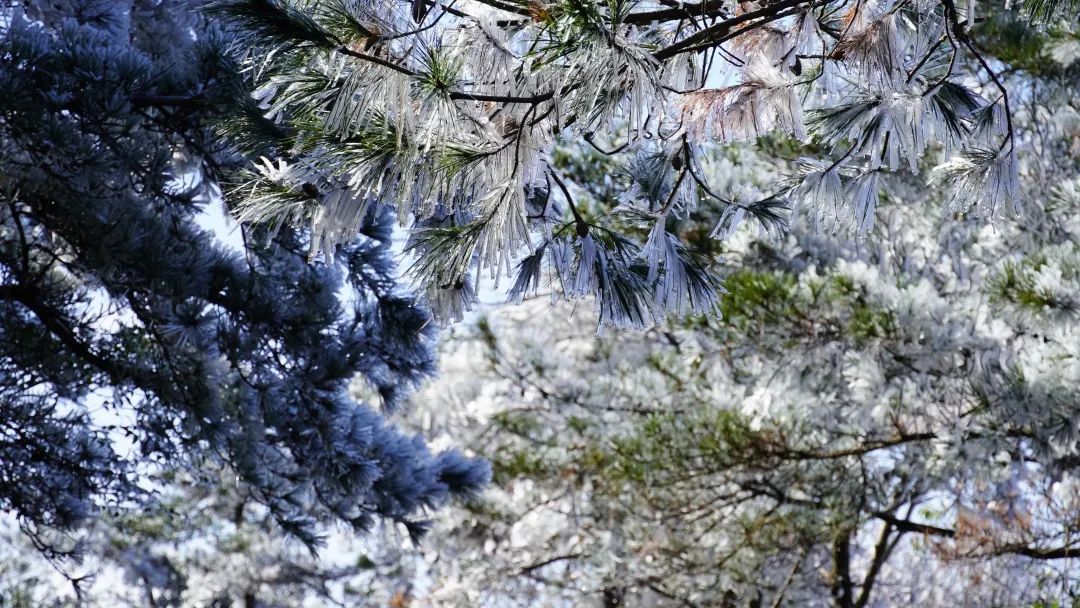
{"x":142,"y":100}
{"x":53,"y":320}
{"x":717,"y":33}
{"x":960,"y":33}
{"x":1053,"y":553}
{"x":702,"y":10}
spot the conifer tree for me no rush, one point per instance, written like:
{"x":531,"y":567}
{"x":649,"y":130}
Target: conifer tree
{"x":884,"y":420}
{"x":132,"y":338}
{"x":452,"y":111}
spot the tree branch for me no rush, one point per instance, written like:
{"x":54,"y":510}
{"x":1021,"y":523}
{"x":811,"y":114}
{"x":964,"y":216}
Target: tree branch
{"x":881,"y":554}
{"x":549,"y":561}
{"x":1062,"y":552}
{"x":842,"y":588}
{"x":52,"y":320}
{"x":719,"y":32}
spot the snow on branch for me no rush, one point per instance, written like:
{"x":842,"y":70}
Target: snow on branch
{"x":456,"y":108}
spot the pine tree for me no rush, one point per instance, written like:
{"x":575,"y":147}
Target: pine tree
{"x":453,"y":113}
{"x":876,"y":421}
{"x":851,"y":434}
{"x":204,"y":542}
{"x":132,"y":338}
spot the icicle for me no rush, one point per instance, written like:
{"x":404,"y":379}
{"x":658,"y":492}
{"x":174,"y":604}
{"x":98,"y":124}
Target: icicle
{"x":729,"y":222}
{"x":585,"y":281}
{"x":865,"y":201}
{"x":654,"y":247}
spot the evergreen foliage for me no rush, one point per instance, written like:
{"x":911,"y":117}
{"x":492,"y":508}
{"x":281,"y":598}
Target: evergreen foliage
{"x":454,"y":114}
{"x":123,"y":320}
{"x":882,"y":414}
